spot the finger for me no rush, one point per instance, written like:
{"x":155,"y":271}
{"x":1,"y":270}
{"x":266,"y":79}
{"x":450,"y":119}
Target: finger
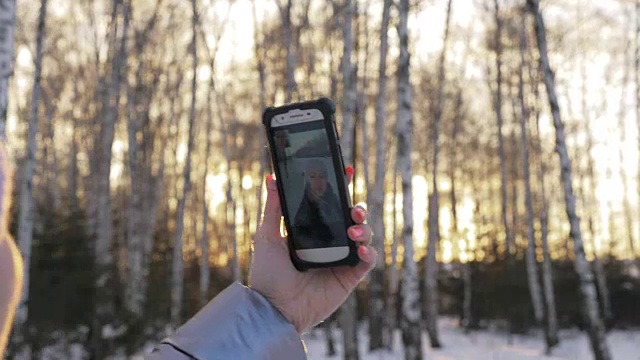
{"x":359,"y":213}
{"x":350,"y":172}
{"x":351,"y":276}
{"x":272,"y":212}
{"x":360,"y":233}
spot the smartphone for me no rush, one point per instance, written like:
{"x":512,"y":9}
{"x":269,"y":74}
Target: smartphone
{"x":312,"y":184}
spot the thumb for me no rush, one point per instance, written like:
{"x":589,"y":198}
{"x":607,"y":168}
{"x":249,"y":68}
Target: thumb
{"x":349,"y":277}
{"x":272,"y":212}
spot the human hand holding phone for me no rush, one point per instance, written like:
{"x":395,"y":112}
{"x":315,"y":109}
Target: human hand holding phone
{"x":305,"y":298}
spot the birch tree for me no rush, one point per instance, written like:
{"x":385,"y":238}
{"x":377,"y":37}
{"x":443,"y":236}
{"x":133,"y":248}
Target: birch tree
{"x":530,"y":255}
{"x":142,"y":201}
{"x":7,"y":27}
{"x":497,"y":106}
{"x":104,"y":302}
{"x":431,"y":268}
{"x":453,"y":197}
{"x":376,"y":287}
{"x":177,"y":273}
{"x":622,"y":114}
{"x":348,"y":319}
{"x":636,"y":73}
{"x":410,"y":323}
{"x":550,"y":316}
{"x":595,"y":327}
{"x":290,"y":57}
{"x":25,"y":219}
{"x":590,"y":202}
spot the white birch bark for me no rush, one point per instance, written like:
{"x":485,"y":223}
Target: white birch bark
{"x":595,"y":327}
{"x":376,"y":204}
{"x":25,"y":219}
{"x":7,"y":28}
{"x":410,"y":323}
{"x":535,"y":290}
{"x":177,"y":273}
{"x":551,"y":317}
{"x":391,"y":318}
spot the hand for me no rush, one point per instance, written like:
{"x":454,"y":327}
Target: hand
{"x":304,"y":298}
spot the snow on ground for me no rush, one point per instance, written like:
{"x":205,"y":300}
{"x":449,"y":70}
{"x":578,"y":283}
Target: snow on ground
{"x":482,"y":345}
{"x":485,"y":345}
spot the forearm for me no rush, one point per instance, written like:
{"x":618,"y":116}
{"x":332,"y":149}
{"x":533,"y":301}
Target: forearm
{"x":238,"y":324}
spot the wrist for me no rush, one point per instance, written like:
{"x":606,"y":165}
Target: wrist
{"x":282,"y":309}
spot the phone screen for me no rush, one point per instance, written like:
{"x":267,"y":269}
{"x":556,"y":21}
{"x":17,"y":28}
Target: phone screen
{"x":311,"y":189}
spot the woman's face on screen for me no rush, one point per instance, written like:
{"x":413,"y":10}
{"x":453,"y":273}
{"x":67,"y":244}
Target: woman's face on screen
{"x":317,"y":182}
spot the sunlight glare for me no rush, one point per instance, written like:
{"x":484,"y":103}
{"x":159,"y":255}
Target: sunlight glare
{"x":247,"y":182}
{"x":215,"y":186}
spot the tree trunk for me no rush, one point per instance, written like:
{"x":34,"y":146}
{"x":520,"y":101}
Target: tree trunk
{"x":134,"y":295}
{"x":637,"y":97}
{"x":104,"y":298}
{"x":626,"y":206}
{"x":590,"y":202}
{"x":348,"y":319}
{"x":260,"y":54}
{"x":7,"y":27}
{"x":550,"y":314}
{"x":391,"y":317}
{"x":587,"y":288}
{"x":497,"y":105}
{"x":376,"y":219}
{"x":456,"y":236}
{"x":532,"y":265}
{"x":431,"y":267}
{"x":205,"y":273}
{"x":287,"y":35}
{"x":410,"y":323}
{"x":177,"y":273}
{"x":25,"y":220}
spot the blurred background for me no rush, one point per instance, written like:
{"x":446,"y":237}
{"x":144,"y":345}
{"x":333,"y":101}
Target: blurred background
{"x":496,"y":143}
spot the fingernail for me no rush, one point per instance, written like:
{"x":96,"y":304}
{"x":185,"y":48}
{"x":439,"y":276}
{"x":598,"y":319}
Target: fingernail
{"x":349,"y":170}
{"x":355,"y":232}
{"x":363,"y":251}
{"x":270,"y":177}
{"x":362,"y":212}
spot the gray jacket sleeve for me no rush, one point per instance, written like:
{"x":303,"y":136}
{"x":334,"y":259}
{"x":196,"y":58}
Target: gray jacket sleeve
{"x":239,"y":323}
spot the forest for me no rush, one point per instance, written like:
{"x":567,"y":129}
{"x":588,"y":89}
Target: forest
{"x":496,"y":144}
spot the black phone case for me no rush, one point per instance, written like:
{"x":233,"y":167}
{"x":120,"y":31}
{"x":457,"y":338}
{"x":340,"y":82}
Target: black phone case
{"x":328,"y":109}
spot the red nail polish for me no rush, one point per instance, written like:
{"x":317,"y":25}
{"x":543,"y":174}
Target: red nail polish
{"x":349,"y":170}
{"x":356,"y":232}
{"x":363,"y":251}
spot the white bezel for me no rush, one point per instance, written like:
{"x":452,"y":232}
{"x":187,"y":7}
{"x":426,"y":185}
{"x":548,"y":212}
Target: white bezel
{"x":296,"y":116}
{"x":323,"y":255}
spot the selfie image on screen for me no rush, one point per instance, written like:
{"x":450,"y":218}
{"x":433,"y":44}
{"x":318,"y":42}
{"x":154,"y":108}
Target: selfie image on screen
{"x":309,"y":179}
